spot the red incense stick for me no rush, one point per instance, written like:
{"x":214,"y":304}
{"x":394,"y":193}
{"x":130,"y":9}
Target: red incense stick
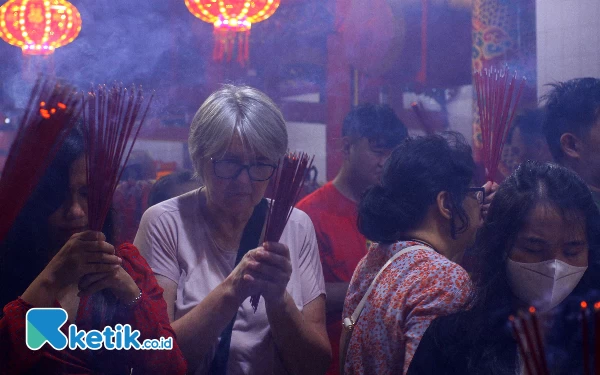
{"x":289,"y":180}
{"x":585,"y":339}
{"x":521,"y":345}
{"x":112,"y":124}
{"x":538,"y":339}
{"x":597,"y":338}
{"x":497,"y":101}
{"x":529,"y":341}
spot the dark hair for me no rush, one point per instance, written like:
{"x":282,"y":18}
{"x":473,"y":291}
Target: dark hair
{"x":571,"y":107}
{"x":483,"y":329}
{"x":161,"y":190}
{"x":530,"y":122}
{"x":24,"y":252}
{"x":416,"y":172}
{"x":377,"y":123}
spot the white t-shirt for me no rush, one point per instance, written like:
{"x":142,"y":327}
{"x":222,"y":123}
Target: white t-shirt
{"x":173,"y":238}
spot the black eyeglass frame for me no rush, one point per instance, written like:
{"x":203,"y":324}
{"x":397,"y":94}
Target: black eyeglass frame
{"x":241,"y":168}
{"x":477,"y":190}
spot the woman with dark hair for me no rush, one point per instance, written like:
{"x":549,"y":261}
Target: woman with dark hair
{"x":538,"y":246}
{"x":171,"y":186}
{"x":423,"y":216}
{"x":50,"y":259}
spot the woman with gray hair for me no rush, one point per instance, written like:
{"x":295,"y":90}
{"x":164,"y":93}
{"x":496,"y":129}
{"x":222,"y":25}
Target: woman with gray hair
{"x":205,"y":250}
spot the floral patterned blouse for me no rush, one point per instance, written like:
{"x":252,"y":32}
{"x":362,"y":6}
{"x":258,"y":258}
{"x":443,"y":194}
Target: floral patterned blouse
{"x":411,"y":292}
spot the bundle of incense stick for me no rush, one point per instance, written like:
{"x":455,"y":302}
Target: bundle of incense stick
{"x":289,"y":180}
{"x":52,"y":111}
{"x":597,"y":338}
{"x":526,"y":330}
{"x":585,"y":339}
{"x":111,"y":125}
{"x":497,"y":100}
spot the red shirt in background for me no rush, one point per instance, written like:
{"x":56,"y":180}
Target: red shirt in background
{"x":341,"y":247}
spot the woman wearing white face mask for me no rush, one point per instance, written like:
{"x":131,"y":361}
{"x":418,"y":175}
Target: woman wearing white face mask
{"x":539,"y":246}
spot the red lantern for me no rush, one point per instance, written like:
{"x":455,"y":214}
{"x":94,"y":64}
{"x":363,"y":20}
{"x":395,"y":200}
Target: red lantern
{"x":373,"y":36}
{"x":39,"y":26}
{"x":232,"y":19}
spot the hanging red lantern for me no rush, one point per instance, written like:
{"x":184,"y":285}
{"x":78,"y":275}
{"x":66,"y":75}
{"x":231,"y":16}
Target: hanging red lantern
{"x":39,"y":26}
{"x":232,"y":20}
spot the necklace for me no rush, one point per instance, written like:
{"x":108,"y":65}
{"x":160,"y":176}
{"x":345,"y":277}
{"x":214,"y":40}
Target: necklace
{"x":221,"y":248}
{"x":422,"y":243}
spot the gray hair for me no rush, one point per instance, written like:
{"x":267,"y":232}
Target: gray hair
{"x":240,"y":110}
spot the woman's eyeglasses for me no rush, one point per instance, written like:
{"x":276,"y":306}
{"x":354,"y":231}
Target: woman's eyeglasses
{"x":479,"y":193}
{"x":231,"y":169}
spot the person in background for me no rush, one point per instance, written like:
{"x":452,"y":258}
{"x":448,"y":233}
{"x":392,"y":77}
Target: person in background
{"x":206,"y":250}
{"x":131,"y":195}
{"x":539,"y":246}
{"x":369,"y":134}
{"x":172,"y":185}
{"x":427,"y":205}
{"x":525,"y":141}
{"x":572,"y":128}
{"x":51,"y":259}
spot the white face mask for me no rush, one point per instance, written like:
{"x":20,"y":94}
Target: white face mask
{"x":544,"y":284}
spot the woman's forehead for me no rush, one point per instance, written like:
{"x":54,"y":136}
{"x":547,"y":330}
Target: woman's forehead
{"x":237,"y":149}
{"x":549,"y":221}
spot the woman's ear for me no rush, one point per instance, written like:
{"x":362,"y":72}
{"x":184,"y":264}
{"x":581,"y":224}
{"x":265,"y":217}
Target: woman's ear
{"x":444,"y":204}
{"x":571,"y":145}
{"x":346,"y":146}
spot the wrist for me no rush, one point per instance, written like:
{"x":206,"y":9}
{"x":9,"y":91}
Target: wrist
{"x":231,"y":292}
{"x":276,"y":303}
{"x":42,"y":292}
{"x":131,"y":294}
{"x":50,"y":283}
{"x":133,"y":301}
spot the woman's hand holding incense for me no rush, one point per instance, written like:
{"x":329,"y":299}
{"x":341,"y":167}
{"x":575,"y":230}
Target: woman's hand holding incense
{"x":271,"y":271}
{"x":490,"y":191}
{"x":84,"y":253}
{"x":118,"y":281}
{"x":265,"y":270}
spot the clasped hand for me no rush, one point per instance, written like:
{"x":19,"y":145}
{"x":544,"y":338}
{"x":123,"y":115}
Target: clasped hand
{"x":265,"y":270}
{"x":89,"y":262}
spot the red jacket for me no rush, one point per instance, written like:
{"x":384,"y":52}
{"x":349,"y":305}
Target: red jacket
{"x":149,"y":316}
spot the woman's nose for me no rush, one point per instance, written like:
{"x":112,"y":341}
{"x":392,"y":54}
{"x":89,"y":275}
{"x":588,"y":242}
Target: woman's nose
{"x":76,"y":210}
{"x":244,"y":176}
